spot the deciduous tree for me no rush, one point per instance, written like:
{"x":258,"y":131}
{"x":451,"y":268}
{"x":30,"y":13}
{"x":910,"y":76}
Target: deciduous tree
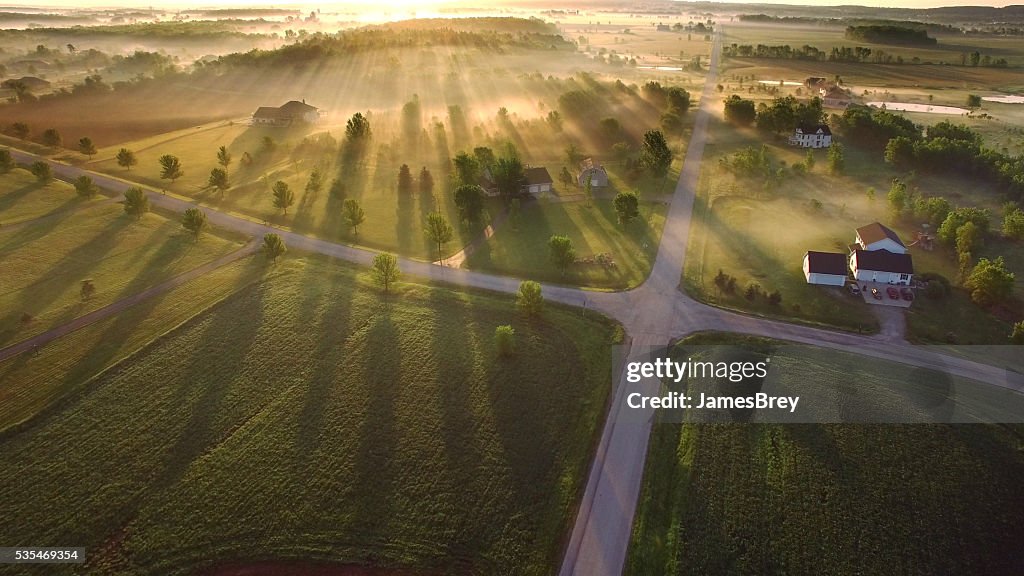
{"x":85,"y":187}
{"x":86,"y":146}
{"x":385,"y":270}
{"x":219,"y":180}
{"x":126,"y":158}
{"x":561,"y":252}
{"x":469,"y":199}
{"x":836,"y":158}
{"x":655,"y":155}
{"x":51,"y":138}
{"x":439,"y":231}
{"x":505,"y":340}
{"x":467,"y":169}
{"x":194,"y":220}
{"x":20,"y":130}
{"x":6,"y":161}
{"x":529,"y":299}
{"x":273,"y":247}
{"x":283,"y":196}
{"x":42,"y":171}
{"x":170,"y":168}
{"x":353,"y":214}
{"x":627,"y":206}
{"x":990,"y":282}
{"x":136,"y":202}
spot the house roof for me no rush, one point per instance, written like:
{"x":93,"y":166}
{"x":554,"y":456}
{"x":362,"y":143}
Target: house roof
{"x":28,"y":81}
{"x":294,"y":107}
{"x":814,"y":129}
{"x":836,"y":92}
{"x":876,"y":231}
{"x":268,"y":112}
{"x":826,"y":262}
{"x":884,"y":261}
{"x":589,"y":164}
{"x":538,"y":175}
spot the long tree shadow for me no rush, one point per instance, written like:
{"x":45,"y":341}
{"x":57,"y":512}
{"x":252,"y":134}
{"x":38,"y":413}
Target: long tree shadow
{"x":327,"y":314}
{"x":461,"y":401}
{"x":374,"y":466}
{"x":11,"y":199}
{"x":94,"y":249}
{"x":202,"y":392}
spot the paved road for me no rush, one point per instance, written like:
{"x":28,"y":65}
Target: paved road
{"x":651,"y":314}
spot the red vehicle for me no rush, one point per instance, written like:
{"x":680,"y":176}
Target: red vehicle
{"x":893,"y":293}
{"x":907,"y":294}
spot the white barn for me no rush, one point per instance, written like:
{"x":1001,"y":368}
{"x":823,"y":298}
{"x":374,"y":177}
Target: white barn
{"x":825,"y":268}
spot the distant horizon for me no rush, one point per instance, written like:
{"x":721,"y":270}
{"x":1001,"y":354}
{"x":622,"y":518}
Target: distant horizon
{"x":412,"y":5}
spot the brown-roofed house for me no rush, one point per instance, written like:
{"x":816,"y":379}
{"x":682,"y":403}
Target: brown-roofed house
{"x":835,"y":97}
{"x":292,"y":112}
{"x":877,"y":236}
{"x":537,"y":180}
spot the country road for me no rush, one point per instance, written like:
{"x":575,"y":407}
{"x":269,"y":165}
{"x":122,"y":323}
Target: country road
{"x":652,"y":314}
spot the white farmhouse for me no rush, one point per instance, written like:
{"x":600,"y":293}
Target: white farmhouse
{"x":826,"y":268}
{"x":818,"y":136}
{"x":876,"y":236}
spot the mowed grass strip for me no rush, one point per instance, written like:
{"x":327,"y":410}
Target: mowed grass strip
{"x":310,"y":417}
{"x":45,"y":264}
{"x":23,"y":197}
{"x":830,"y":499}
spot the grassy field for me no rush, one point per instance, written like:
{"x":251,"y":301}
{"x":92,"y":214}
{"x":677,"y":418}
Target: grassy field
{"x":948,"y":50}
{"x":45,"y":264}
{"x":22,"y":197}
{"x":830,"y":499}
{"x":522,"y":250}
{"x":34,"y":382}
{"x":309,"y":417}
{"x":761,"y":236}
{"x":394,"y":220}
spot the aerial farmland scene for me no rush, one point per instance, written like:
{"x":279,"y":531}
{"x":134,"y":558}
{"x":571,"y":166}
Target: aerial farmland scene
{"x":529,"y":288}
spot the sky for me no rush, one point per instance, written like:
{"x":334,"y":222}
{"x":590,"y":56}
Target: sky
{"x":884,"y":3}
{"x":412,"y":4}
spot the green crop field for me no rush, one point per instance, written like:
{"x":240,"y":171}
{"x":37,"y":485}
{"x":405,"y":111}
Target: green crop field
{"x":310,"y":417}
{"x":22,"y":197}
{"x":45,"y":264}
{"x":830,"y":499}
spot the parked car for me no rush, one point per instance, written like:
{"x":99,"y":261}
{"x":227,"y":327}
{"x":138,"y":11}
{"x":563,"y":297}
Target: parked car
{"x":854,"y":289}
{"x":893,"y":293}
{"x":877,"y":295}
{"x":907,"y":294}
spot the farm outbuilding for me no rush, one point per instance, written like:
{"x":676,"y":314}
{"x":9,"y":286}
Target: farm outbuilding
{"x":825,"y":268}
